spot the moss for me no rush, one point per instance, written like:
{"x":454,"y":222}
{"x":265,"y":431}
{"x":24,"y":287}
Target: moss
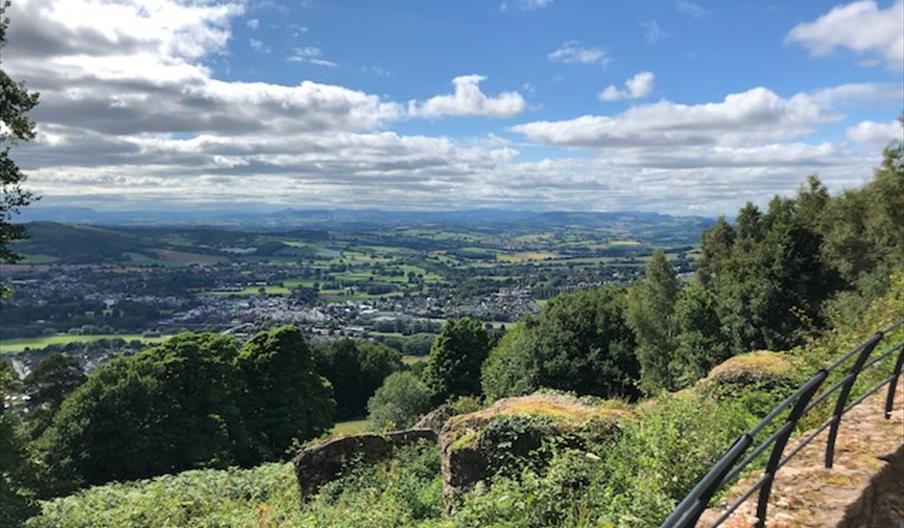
{"x":467,"y":440}
{"x":753,"y":368}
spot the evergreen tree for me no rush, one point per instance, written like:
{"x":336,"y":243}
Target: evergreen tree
{"x":649,"y":313}
{"x":715,"y":247}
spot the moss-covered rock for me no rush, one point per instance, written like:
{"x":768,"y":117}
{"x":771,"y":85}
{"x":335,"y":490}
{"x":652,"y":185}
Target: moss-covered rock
{"x":760,"y":368}
{"x":514,"y":433}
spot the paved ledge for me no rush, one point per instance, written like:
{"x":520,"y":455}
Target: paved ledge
{"x":865,"y":489}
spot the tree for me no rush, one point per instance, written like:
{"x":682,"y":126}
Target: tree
{"x":285,"y":400}
{"x":355,"y":369}
{"x":163,"y":410}
{"x":453,"y":365}
{"x":15,"y":102}
{"x":701,"y":343}
{"x":16,"y":496}
{"x":399,"y":402}
{"x":715,"y":246}
{"x":508,"y":371}
{"x":580,"y":342}
{"x":649,"y":312}
{"x":47,"y":387}
{"x":863,"y":236}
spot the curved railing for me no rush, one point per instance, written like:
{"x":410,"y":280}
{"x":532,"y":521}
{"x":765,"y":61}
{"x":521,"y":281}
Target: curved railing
{"x":688,"y":512}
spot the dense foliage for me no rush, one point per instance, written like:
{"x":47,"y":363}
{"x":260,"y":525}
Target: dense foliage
{"x":453,"y":365}
{"x":631,"y":480}
{"x":399,"y":402}
{"x":48,"y":386}
{"x":580,"y":342}
{"x":283,"y":399}
{"x":196,"y":400}
{"x":356,"y":369}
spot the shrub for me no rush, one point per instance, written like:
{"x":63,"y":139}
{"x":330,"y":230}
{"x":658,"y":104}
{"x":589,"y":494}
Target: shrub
{"x":399,"y":402}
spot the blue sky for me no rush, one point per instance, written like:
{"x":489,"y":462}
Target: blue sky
{"x":671,"y":106}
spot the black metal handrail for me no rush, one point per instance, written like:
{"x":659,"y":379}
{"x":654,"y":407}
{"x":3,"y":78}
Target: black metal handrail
{"x":730,"y":465}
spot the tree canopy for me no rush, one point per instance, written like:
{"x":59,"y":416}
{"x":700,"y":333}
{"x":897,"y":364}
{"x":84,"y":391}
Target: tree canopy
{"x":455,"y":359}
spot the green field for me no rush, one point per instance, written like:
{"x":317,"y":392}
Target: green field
{"x":251,"y":290}
{"x":351,"y":427}
{"x":21,"y":343}
{"x":411,"y":360}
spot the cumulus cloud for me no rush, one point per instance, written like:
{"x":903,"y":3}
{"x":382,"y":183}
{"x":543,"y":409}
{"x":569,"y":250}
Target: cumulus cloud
{"x":758,"y":114}
{"x":861,"y":27}
{"x":640,"y":85}
{"x":253,"y":23}
{"x":130,"y":113}
{"x":872,"y":132}
{"x":469,"y":100}
{"x":572,"y":52}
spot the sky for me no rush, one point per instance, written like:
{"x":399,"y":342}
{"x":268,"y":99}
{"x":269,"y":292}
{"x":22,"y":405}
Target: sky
{"x":676,"y":107}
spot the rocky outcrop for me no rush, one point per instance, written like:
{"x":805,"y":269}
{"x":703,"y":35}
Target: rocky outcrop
{"x":437,"y":418}
{"x":762,"y":368}
{"x":322,"y":463}
{"x":507,"y":437}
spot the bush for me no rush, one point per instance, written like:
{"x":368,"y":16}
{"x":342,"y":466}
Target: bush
{"x":399,"y":402}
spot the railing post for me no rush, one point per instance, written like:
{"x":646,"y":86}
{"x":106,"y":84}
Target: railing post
{"x":890,"y":399}
{"x":854,"y":372}
{"x":782,"y":440}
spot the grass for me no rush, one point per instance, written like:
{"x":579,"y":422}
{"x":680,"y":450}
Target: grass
{"x":38,"y":258}
{"x":250,"y":290}
{"x":527,"y":256}
{"x":411,"y":360}
{"x":19,"y":344}
{"x":350,"y":427}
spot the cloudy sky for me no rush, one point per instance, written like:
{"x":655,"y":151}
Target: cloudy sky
{"x":670,"y":106}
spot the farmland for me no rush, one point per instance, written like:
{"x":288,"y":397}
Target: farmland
{"x":386,"y":281}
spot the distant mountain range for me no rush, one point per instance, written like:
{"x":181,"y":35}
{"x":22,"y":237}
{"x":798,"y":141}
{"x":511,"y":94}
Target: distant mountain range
{"x":350,"y":218}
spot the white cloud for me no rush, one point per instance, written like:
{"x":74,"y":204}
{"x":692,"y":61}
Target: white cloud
{"x":872,"y":132}
{"x":525,"y":5}
{"x":131,"y":112}
{"x":572,"y":52}
{"x":310,"y":55}
{"x":258,"y":46}
{"x":861,"y":27}
{"x":652,"y":32}
{"x":253,"y":23}
{"x":640,"y":85}
{"x":468,"y":100}
{"x":755,"y":115}
{"x":690,"y":9}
